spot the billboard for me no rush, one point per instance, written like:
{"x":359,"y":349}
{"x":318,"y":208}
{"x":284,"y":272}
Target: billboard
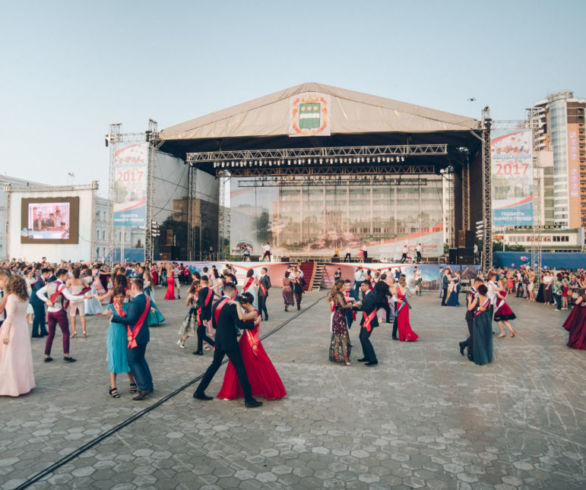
{"x":512,"y":178}
{"x":130,"y":185}
{"x":575,"y":214}
{"x":49,"y":220}
{"x":309,"y":115}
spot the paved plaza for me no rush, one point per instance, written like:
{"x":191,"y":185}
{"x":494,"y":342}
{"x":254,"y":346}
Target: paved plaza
{"x":425,"y":417}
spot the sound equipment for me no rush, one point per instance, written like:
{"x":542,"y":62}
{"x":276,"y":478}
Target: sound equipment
{"x":453,"y":256}
{"x":465,"y":239}
{"x":466,"y":255}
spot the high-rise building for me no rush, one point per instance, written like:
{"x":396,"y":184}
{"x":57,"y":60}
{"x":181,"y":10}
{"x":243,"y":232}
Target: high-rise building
{"x":560,"y":144}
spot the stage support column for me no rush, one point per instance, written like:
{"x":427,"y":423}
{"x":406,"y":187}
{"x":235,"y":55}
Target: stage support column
{"x":486,"y":192}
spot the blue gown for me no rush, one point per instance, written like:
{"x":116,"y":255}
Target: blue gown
{"x":116,"y":344}
{"x":453,"y":298}
{"x":155,"y":317}
{"x":92,"y":305}
{"x":482,"y":352}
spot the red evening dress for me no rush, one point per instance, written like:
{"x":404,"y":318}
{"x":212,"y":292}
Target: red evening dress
{"x":262,"y":375}
{"x":170,"y":287}
{"x":577,"y":314}
{"x":577,"y":327}
{"x":503,"y":311}
{"x":403,"y":325}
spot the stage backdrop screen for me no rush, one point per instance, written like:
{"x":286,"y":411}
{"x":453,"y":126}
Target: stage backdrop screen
{"x":50,"y":220}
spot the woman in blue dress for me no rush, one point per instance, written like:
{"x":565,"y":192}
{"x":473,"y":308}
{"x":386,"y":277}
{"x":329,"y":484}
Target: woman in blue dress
{"x":453,"y":289}
{"x":155,"y":317}
{"x":482,"y":352}
{"x":116,"y":343}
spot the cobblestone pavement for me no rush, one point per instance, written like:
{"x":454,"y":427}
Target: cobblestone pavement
{"x":423,"y":418}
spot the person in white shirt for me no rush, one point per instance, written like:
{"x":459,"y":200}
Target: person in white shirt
{"x":56,"y":296}
{"x":493,"y":288}
{"x":404,"y":256}
{"x":419,"y":250}
{"x":267,"y":252}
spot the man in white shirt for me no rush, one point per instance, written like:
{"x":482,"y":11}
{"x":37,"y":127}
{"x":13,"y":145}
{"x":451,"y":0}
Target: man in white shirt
{"x":56,"y":296}
{"x":267,"y":252}
{"x":404,"y":256}
{"x":419,"y":250}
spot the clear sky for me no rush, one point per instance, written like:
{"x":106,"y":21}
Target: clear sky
{"x":69,"y":68}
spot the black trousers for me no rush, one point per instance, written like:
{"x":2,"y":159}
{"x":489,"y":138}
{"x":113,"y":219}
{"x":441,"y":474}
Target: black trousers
{"x":39,"y":326}
{"x":469,"y":341}
{"x":403,"y":258}
{"x":202,"y":334}
{"x":234,"y":355}
{"x":140,"y":368}
{"x":367,"y":348}
{"x":395,"y":327}
{"x":262,"y":306}
{"x":418,"y":257}
{"x":348,"y":258}
{"x":385,"y":306}
{"x":444,"y":296}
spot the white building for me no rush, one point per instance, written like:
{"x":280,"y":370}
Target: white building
{"x":59,"y":223}
{"x":13,"y":181}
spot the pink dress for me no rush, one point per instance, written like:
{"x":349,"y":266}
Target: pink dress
{"x":16,"y":360}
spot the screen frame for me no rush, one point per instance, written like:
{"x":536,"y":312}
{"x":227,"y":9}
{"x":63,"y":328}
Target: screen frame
{"x":73,"y":220}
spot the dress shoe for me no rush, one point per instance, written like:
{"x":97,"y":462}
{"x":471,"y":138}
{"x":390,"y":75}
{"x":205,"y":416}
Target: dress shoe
{"x":69,"y":359}
{"x":267,"y":318}
{"x":364,"y":359}
{"x":48,"y":359}
{"x":202,"y":396}
{"x":371,"y":363}
{"x":252,"y":403}
{"x":198,"y":353}
{"x":462,"y":347}
{"x":142,"y":395}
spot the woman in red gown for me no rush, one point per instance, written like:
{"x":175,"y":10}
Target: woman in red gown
{"x":170,"y":284}
{"x":264,"y":379}
{"x":576,"y":324}
{"x":406,"y":334}
{"x":503,"y":312}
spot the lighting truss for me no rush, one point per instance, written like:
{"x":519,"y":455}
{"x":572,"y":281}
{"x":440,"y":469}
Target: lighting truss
{"x":317,"y":156}
{"x":327,"y":170}
{"x":328,"y":180}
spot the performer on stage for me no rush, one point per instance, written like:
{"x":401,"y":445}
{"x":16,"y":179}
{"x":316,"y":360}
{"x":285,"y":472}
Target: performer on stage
{"x":471,"y":296}
{"x":263,"y":377}
{"x":339,"y":344}
{"x":56,"y":296}
{"x":138,"y":337}
{"x":264,"y":284}
{"x":226,"y":318}
{"x":368,"y":322}
{"x":503,"y":312}
{"x":205,"y":300}
{"x":406,"y":334}
{"x":482,"y":336}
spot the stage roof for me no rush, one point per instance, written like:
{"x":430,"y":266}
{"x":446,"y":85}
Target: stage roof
{"x":351,"y":113}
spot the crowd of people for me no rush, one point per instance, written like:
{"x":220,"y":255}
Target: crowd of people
{"x":225,"y":316}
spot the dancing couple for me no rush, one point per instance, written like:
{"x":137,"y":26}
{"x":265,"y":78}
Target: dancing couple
{"x":250,"y":372}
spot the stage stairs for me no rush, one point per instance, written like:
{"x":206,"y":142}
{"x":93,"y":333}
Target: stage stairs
{"x":319,"y":272}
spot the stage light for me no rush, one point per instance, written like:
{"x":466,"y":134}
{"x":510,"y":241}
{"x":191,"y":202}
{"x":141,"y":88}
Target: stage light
{"x":378,"y":159}
{"x":309,"y":161}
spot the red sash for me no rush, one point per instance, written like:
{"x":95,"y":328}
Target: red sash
{"x":57,"y":293}
{"x":368,"y":319}
{"x":119,"y":310}
{"x":134,"y":332}
{"x":333,"y":307}
{"x":262,"y":288}
{"x":482,"y":309}
{"x":252,"y":340}
{"x":248,"y":283}
{"x":206,"y":302}
{"x":346,"y":296}
{"x":219,"y":309}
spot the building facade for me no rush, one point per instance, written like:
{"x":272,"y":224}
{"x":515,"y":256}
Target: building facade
{"x":559,"y":123}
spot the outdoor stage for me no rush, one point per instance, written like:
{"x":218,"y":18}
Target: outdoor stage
{"x":315,"y":168}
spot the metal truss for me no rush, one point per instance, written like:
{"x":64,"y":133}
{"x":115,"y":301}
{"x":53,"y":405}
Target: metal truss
{"x":331,"y":180}
{"x":191,"y":186}
{"x":486,"y":192}
{"x":328,"y":170}
{"x":316,"y":156}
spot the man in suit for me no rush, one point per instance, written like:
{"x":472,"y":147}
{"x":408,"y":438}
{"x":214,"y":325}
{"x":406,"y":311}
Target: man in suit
{"x":39,"y":328}
{"x":470,"y":296}
{"x":445,"y":284}
{"x":368,"y":322}
{"x":264,"y":284}
{"x":205,"y":300}
{"x":382,"y":293}
{"x":138,"y":337}
{"x":226,"y":319}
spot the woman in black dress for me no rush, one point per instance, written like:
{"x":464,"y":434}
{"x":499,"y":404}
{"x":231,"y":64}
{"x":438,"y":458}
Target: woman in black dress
{"x":482,"y":336}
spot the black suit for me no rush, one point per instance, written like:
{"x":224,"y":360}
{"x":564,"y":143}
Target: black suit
{"x":368,"y":306}
{"x":382,"y":291}
{"x":265,"y":281}
{"x":227,"y":344}
{"x":39,"y":325}
{"x":204,"y":315}
{"x":136,"y":360}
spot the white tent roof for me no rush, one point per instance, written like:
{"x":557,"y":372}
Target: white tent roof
{"x":351,"y":113}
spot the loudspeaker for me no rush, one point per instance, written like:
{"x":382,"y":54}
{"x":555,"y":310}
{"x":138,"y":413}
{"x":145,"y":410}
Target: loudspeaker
{"x":465,"y":239}
{"x":453,"y":256}
{"x":465,"y":256}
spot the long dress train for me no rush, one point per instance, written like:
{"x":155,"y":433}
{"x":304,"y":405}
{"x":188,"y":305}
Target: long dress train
{"x":155,"y":317}
{"x":482,"y":339}
{"x":577,"y":327}
{"x":16,"y":360}
{"x":262,"y":375}
{"x":403,"y":325}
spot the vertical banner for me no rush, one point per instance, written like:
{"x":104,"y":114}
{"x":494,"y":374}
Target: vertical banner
{"x":575,"y":212}
{"x":512,"y":178}
{"x":130,"y":185}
